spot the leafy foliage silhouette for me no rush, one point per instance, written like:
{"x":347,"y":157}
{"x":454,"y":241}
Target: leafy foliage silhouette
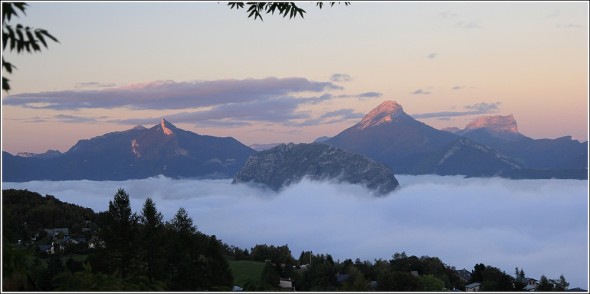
{"x":19,"y":38}
{"x":290,"y":9}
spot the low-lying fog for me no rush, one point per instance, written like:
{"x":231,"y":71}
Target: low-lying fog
{"x":540,"y":226}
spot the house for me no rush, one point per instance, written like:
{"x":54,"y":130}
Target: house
{"x":47,"y":248}
{"x":95,"y":242}
{"x":51,"y":233}
{"x":529,"y":288}
{"x":51,"y":248}
{"x":237,"y":289}
{"x":73,"y":240}
{"x":473,"y":287}
{"x":286,"y":284}
{"x":464,"y":275}
{"x":531,"y":284}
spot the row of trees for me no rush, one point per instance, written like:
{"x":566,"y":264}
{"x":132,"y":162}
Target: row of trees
{"x":138,"y":252}
{"x":142,"y":252}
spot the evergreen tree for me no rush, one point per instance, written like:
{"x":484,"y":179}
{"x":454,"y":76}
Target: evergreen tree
{"x":182,"y":223}
{"x":519,"y":277}
{"x":270,"y":276}
{"x":562,"y":284}
{"x":187,"y":260}
{"x":544,"y":284}
{"x":151,"y":238}
{"x":120,"y":232}
{"x":217,"y":266}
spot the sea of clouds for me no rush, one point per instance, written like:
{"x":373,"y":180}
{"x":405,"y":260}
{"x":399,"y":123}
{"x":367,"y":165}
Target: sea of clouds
{"x":540,"y":226}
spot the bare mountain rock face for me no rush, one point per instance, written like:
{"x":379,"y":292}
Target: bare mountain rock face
{"x":284,"y":165}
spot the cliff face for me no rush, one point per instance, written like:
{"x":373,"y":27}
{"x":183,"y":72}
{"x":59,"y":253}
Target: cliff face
{"x":288,"y":164}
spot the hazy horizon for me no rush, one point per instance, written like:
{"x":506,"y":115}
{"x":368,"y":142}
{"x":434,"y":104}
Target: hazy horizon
{"x":540,"y":226}
{"x":147,"y":125}
{"x":199,"y":65}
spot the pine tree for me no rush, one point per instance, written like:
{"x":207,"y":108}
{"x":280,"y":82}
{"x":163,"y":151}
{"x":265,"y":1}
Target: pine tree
{"x":562,"y":284}
{"x":544,"y":284}
{"x":120,"y":232}
{"x":151,"y":239}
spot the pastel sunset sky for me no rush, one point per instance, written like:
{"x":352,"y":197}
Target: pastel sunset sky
{"x":212,"y":70}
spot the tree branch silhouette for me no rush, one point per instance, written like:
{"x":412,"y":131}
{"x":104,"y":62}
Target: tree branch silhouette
{"x":19,"y":38}
{"x":290,"y":9}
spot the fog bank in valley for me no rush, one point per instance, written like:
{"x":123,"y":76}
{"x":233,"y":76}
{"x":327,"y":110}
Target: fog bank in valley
{"x":538,"y":225}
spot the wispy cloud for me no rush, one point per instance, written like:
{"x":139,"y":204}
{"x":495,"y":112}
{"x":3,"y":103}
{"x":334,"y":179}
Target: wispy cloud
{"x":318,"y":99}
{"x":447,"y":14}
{"x":431,"y":55}
{"x":278,"y":110}
{"x":346,"y":113}
{"x":361,"y":96}
{"x":340,"y":77}
{"x":170,"y":94}
{"x":368,"y":95}
{"x":467,"y":25}
{"x":76,"y":119}
{"x":484,"y":107}
{"x":94,"y":85}
{"x":420,"y":92}
{"x":554,"y":13}
{"x":570,"y":26}
{"x":65,"y":118}
{"x":475,"y":109}
{"x":332,"y":117}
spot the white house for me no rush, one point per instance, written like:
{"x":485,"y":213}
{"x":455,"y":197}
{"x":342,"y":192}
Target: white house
{"x":473,"y":287}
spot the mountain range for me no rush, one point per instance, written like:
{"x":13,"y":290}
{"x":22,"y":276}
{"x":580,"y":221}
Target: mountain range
{"x":487,"y":146}
{"x":133,"y":154}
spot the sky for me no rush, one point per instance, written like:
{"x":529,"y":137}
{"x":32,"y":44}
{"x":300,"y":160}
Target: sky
{"x":212,"y":70}
{"x":540,"y":226}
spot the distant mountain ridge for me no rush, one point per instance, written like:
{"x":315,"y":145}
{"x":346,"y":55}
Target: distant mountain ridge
{"x":501,"y":133}
{"x":488,"y":146}
{"x":262,"y":147}
{"x":288,"y":164}
{"x":47,"y":154}
{"x":136,"y":153}
{"x":387,"y":134}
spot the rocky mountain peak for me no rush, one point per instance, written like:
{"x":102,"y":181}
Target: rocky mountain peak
{"x":386,"y":112}
{"x":496,"y":124}
{"x":167,"y":127}
{"x":288,"y":164}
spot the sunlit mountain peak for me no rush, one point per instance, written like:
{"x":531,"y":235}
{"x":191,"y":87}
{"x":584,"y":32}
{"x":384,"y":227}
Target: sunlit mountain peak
{"x":384,"y":113}
{"x":167,"y":127}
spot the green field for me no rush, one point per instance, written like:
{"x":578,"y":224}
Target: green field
{"x":244,"y":270}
